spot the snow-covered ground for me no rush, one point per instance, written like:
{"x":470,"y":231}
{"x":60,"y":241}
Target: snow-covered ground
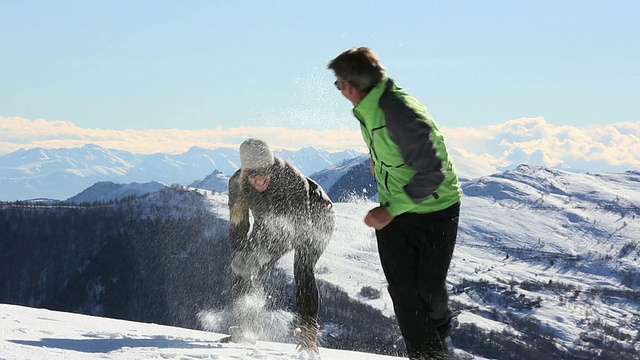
{"x":38,"y":334}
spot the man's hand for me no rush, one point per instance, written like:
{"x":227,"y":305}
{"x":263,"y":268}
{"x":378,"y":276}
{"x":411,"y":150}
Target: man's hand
{"x":378,"y":218}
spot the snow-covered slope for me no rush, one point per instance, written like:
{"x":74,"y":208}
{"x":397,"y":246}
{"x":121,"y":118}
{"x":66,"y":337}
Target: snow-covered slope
{"x":559,"y":248}
{"x":215,"y":181}
{"x":38,"y":334}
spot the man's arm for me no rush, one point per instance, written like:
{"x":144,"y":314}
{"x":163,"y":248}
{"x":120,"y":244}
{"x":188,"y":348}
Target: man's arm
{"x":413,"y":135}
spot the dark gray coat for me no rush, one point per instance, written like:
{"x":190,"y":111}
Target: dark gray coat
{"x":293,"y":213}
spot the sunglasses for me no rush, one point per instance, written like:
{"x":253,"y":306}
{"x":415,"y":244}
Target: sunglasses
{"x":257,"y":172}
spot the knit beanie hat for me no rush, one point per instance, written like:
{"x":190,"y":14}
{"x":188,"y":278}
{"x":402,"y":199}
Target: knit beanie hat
{"x":255,"y":154}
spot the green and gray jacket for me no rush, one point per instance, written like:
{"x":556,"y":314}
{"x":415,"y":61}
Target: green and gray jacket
{"x":411,"y":162}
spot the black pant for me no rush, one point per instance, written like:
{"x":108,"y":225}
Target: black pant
{"x":415,"y":252}
{"x":308,"y":248}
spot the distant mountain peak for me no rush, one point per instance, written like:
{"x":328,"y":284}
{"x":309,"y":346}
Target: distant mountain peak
{"x":90,"y":146}
{"x":109,"y":190}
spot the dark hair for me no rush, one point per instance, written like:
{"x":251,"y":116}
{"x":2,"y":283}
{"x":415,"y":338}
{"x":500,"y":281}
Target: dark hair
{"x":358,"y":66}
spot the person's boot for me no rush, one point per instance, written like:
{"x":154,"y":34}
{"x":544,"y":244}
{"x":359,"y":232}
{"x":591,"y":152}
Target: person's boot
{"x":308,"y":338}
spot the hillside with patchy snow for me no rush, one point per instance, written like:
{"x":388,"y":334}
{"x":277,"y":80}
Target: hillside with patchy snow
{"x":546,"y":259}
{"x":546,"y":266}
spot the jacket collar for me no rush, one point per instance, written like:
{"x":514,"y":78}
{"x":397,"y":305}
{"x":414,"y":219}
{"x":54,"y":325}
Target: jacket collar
{"x":369,"y":104}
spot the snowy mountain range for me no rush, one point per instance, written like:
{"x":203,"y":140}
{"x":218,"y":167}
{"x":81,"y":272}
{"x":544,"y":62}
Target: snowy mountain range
{"x":62,"y":173}
{"x":546,"y":265}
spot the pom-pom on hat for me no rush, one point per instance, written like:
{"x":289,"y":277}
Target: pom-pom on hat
{"x":255,"y":154}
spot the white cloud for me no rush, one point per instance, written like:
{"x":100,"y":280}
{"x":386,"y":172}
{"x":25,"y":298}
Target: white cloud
{"x":608,"y":147}
{"x":613,"y":147}
{"x":16,"y":133}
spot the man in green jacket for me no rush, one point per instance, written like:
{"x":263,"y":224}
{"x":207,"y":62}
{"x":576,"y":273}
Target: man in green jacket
{"x":417,"y":220}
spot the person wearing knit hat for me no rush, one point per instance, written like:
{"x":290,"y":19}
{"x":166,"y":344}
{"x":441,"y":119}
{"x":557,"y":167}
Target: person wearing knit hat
{"x":290,"y":212}
{"x":255,"y":160}
{"x":255,"y":154}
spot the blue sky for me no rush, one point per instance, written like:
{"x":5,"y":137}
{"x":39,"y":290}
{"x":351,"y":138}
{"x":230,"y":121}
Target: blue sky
{"x":206,"y":64}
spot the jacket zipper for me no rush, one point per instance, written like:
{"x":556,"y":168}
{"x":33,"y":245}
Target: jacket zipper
{"x":371,"y":149}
